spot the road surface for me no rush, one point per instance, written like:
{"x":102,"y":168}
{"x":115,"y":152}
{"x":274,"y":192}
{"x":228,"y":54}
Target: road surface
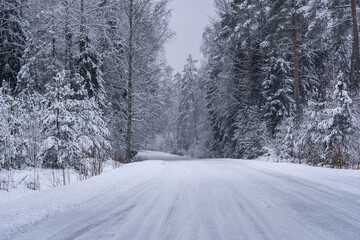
{"x":211,"y":199}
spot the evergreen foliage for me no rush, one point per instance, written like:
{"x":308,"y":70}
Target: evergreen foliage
{"x":12,"y":41}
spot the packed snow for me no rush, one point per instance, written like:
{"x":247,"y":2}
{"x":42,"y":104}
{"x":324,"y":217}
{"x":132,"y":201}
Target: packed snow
{"x":154,"y":155}
{"x":198,"y":199}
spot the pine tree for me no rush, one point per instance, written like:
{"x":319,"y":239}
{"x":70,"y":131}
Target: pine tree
{"x":33,"y":109}
{"x":332,"y":132}
{"x":249,"y":134}
{"x":188,"y":111}
{"x":88,"y":62}
{"x":27,"y":78}
{"x":289,"y":144}
{"x":12,"y":41}
{"x":328,"y":42}
{"x":10,"y":123}
{"x":91,"y":126}
{"x":60,"y":147}
{"x":341,"y":133}
{"x":224,"y":85}
{"x":278,"y":93}
{"x":74,"y":127}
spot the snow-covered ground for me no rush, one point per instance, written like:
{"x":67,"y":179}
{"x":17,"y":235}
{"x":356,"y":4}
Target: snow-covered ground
{"x":199,"y":199}
{"x":19,"y":182}
{"x":153,"y":155}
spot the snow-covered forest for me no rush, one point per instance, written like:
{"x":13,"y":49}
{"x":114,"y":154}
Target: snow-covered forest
{"x":283,"y":75}
{"x":278,"y":77}
{"x":253,"y":132}
{"x":83,"y":82}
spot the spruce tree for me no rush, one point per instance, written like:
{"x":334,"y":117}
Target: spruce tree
{"x":341,"y":133}
{"x":249,"y":134}
{"x":188,"y":111}
{"x":88,"y":63}
{"x":11,"y":145}
{"x":60,"y":147}
{"x":12,"y":41}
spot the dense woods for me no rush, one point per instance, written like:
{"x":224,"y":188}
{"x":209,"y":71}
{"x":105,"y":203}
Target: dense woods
{"x":284,"y":75}
{"x":81,"y":81}
{"x":86,"y":81}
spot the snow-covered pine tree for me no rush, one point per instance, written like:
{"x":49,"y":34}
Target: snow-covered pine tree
{"x":289,"y":144}
{"x":249,"y":134}
{"x":60,"y":148}
{"x":175,"y":108}
{"x":188,"y":110}
{"x":248,"y":20}
{"x":328,"y":41}
{"x":41,"y":57}
{"x":6,"y":148}
{"x":74,"y":128}
{"x":29,"y":74}
{"x":88,"y":63}
{"x":278,"y":88}
{"x":311,"y":147}
{"x":12,"y":41}
{"x":225,"y":80}
{"x":33,"y":109}
{"x":91,"y":132}
{"x":278,"y":93}
{"x":11,"y":145}
{"x":341,"y":139}
{"x":166,"y":138}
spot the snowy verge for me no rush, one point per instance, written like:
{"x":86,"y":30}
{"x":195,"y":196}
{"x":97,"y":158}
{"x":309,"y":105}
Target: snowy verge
{"x":24,"y":208}
{"x":347,"y":180}
{"x":22,"y":181}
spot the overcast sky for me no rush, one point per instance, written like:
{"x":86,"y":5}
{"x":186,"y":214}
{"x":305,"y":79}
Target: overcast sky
{"x":189,"y":18}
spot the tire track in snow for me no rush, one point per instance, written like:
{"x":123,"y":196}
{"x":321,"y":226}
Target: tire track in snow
{"x":306,"y":201}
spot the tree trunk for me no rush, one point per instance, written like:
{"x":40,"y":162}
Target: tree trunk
{"x":21,"y":9}
{"x":262,"y":36}
{"x":68,"y":37}
{"x":352,"y":87}
{"x":195,"y":119}
{"x":250,"y":66}
{"x":129,"y":86}
{"x":82,"y":27}
{"x":356,"y":43}
{"x":333,"y":63}
{"x":296,"y":62}
{"x":53,"y":41}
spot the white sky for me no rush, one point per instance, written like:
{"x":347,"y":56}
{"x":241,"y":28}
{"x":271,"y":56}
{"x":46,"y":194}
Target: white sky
{"x":189,"y":18}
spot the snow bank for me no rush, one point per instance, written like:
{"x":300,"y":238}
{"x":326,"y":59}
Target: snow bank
{"x":21,"y":208}
{"x":341,"y":179}
{"x":19,"y":180}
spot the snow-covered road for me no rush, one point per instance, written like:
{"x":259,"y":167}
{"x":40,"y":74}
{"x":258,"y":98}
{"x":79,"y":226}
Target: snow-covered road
{"x":215,"y":199}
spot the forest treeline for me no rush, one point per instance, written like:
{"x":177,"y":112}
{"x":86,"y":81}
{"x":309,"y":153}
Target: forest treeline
{"x":83,"y":81}
{"x":281,"y":76}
